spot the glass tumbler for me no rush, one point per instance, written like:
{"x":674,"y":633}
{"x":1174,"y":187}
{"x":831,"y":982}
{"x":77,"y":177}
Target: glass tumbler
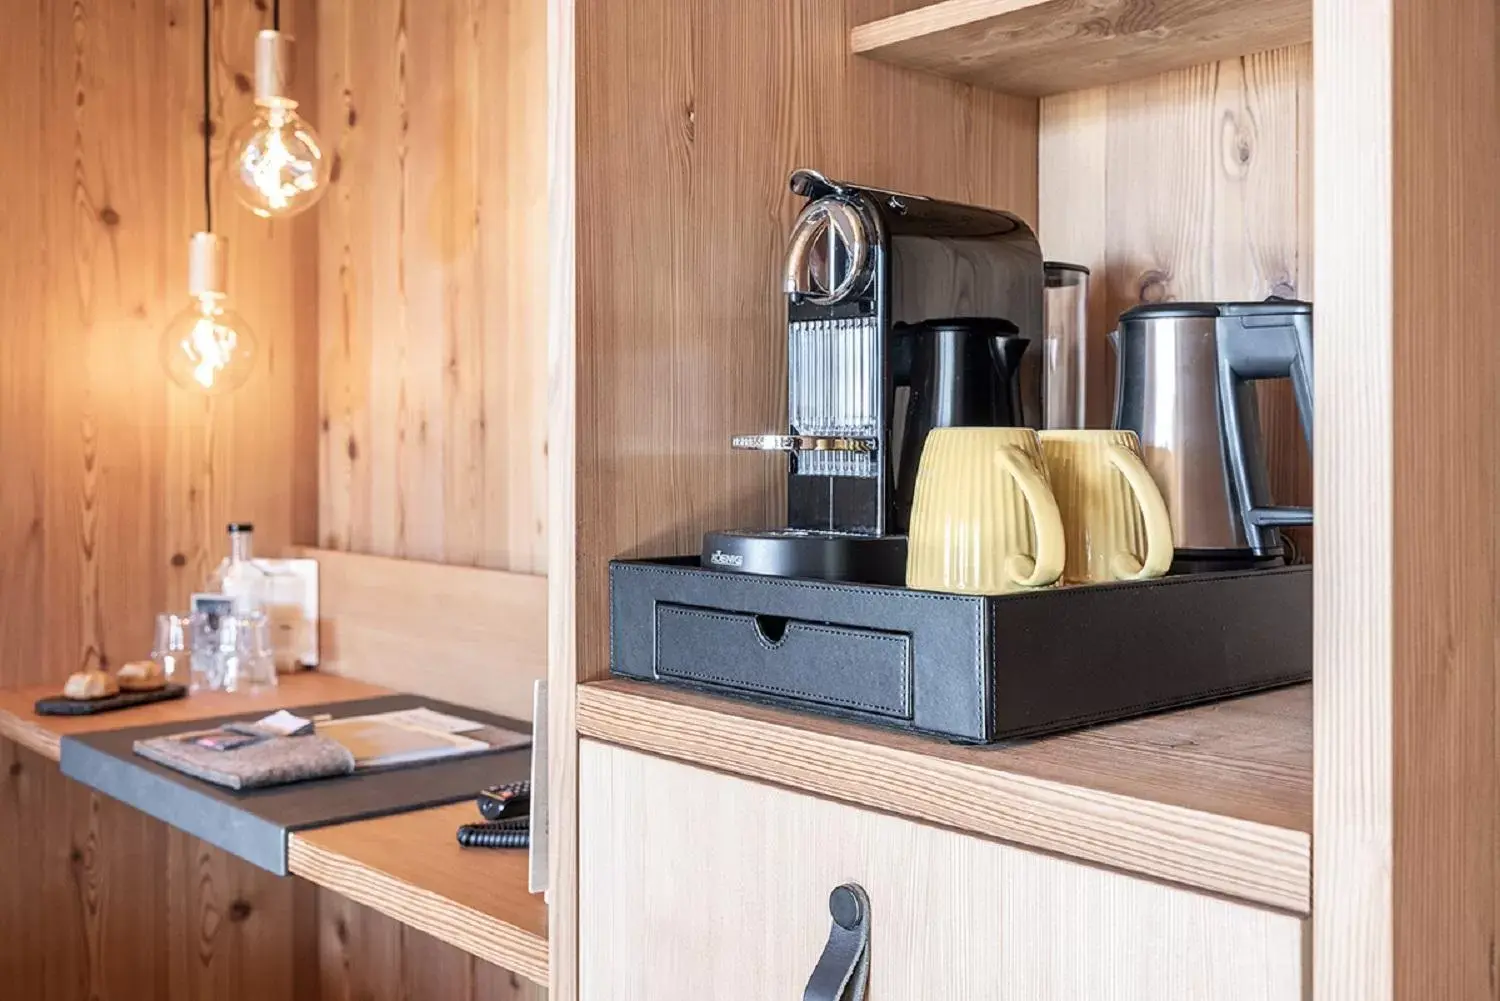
{"x":232,"y":653}
{"x":247,"y":657}
{"x":172,"y":648}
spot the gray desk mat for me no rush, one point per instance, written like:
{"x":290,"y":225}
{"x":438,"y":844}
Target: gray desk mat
{"x":254,"y":824}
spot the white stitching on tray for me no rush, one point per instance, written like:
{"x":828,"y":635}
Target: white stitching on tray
{"x":742,"y":617}
{"x":848,"y":632}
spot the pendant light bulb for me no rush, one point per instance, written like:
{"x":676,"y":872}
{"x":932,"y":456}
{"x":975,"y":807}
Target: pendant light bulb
{"x":277,"y":164}
{"x":207,"y":347}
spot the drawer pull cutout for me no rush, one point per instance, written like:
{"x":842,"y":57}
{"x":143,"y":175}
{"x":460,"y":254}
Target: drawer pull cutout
{"x":843,"y":971}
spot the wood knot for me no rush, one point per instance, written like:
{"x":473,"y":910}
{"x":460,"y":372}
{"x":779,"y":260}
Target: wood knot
{"x":690,"y":121}
{"x":206,"y":127}
{"x":353,"y":449}
{"x":75,"y":856}
{"x":15,"y":769}
{"x":341,"y":931}
{"x":335,"y":169}
{"x":1284,"y":288}
{"x":239,"y":910}
{"x":179,"y":560}
{"x":242,"y":83}
{"x":1154,"y":286}
{"x":324,"y":423}
{"x":353,"y":117}
{"x":109,"y":216}
{"x":260,"y":5}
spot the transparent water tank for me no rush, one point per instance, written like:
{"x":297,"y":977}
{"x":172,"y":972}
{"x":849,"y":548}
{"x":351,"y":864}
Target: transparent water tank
{"x":1065,"y":346}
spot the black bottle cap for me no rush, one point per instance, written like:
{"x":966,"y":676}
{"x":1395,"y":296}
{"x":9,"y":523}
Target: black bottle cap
{"x":235,"y":527}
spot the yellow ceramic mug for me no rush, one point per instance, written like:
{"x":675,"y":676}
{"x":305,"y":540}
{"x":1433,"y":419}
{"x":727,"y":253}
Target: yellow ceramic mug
{"x":983,"y":520}
{"x":1113,"y":513}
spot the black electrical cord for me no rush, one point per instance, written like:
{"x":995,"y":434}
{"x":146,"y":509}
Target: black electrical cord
{"x":513,"y":833}
{"x":208,"y":127}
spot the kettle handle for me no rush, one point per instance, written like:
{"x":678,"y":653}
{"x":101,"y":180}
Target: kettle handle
{"x":1250,"y":351}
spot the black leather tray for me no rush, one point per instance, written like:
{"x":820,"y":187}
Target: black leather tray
{"x":970,"y":669}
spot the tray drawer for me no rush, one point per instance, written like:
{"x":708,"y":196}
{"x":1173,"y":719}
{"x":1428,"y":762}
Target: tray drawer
{"x":864,"y":670}
{"x":694,"y":884}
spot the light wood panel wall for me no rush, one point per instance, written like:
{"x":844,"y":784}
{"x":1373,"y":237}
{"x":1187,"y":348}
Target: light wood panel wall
{"x":1195,"y":184}
{"x":114,"y":492}
{"x":432,"y":295}
{"x":688,"y":119}
{"x":115,"y":487}
{"x":470,"y":636}
{"x":1407,"y":715}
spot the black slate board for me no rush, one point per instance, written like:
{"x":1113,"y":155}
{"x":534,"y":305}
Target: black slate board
{"x":254,"y":824}
{"x":59,"y":706}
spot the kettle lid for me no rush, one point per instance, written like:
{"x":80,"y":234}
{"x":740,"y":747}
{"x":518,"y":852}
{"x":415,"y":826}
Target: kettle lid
{"x":1274,"y":306}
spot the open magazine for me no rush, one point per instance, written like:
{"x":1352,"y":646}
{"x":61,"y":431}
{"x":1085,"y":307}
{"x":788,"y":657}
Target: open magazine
{"x":407,"y":736}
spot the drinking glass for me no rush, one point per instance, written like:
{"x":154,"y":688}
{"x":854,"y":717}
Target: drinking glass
{"x":246,"y":652}
{"x":232,"y":653}
{"x":173,"y":646}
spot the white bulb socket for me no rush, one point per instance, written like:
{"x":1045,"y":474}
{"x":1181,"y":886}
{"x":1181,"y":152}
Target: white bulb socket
{"x":208,"y":265}
{"x":273,"y":70}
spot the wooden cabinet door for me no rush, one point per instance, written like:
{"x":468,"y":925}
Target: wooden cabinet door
{"x":696,"y":886}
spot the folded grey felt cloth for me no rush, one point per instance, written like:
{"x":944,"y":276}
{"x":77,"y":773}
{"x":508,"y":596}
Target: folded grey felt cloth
{"x":240,"y":756}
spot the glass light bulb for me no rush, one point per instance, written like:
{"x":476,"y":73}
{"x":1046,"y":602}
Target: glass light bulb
{"x":277,"y":162}
{"x":208,"y":348}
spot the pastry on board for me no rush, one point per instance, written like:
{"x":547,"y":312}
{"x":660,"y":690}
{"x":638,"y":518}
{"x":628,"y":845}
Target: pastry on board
{"x":90,"y":685}
{"x":141,"y":676}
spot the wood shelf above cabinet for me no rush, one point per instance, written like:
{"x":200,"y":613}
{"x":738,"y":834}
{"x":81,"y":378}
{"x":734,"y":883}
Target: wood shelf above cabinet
{"x":1218,"y":798}
{"x":1040,"y":47}
{"x":409,"y":866}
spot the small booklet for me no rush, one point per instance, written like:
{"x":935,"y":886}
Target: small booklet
{"x":406,"y":736}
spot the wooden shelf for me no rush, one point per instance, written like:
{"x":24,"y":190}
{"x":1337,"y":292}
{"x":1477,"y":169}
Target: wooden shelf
{"x":1218,"y":798}
{"x":1040,"y":47}
{"x":409,"y":867}
{"x":43,"y":734}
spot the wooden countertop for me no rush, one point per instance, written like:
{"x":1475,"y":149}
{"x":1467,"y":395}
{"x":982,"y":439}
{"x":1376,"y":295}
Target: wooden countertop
{"x":407,"y":866}
{"x":1217,"y":798}
{"x":43,"y":734}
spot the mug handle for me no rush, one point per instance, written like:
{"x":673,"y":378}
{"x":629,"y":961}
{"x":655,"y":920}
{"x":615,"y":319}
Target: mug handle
{"x":1046,"y":523}
{"x":1153,"y":510}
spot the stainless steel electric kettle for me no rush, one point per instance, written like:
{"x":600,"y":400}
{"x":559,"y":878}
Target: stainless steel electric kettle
{"x":1185,"y":386}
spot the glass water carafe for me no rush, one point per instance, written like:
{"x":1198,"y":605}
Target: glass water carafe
{"x":238,"y":577}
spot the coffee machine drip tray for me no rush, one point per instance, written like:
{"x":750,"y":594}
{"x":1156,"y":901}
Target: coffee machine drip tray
{"x":792,"y":552}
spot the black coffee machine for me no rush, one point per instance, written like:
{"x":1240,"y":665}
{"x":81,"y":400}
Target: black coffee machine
{"x":904,"y":313}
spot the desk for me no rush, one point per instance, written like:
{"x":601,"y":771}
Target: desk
{"x":405,"y":866}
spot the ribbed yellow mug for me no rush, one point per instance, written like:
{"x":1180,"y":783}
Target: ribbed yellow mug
{"x":983,"y":520}
{"x":1113,"y":514}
